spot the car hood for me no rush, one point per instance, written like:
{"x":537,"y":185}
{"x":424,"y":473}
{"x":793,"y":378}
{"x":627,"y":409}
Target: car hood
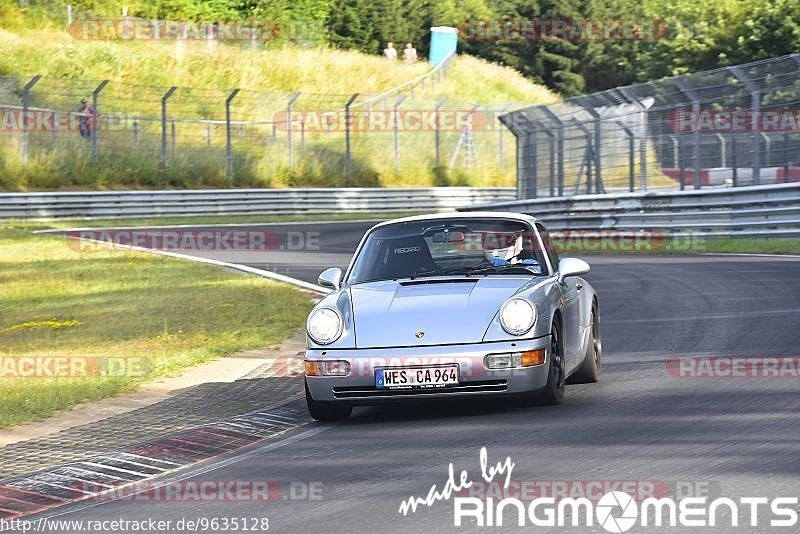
{"x":392,"y":314}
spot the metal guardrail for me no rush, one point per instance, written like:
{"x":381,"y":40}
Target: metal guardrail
{"x":176,"y":203}
{"x":743,"y":211}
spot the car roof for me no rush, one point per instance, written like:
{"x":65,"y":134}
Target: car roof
{"x":523,"y":217}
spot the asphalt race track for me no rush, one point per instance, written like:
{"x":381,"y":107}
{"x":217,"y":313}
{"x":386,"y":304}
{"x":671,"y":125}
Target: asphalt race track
{"x":717,"y":436}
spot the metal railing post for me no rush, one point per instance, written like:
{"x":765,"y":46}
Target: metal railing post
{"x":96,"y":117}
{"x":768,"y":145}
{"x":588,"y":156}
{"x":551,"y":142}
{"x":786,"y":162}
{"x":396,"y":132}
{"x":500,"y":141}
{"x":676,"y":160}
{"x":755,"y":108}
{"x":437,"y":131}
{"x":528,"y":179}
{"x":722,"y":149}
{"x":559,"y":148}
{"x":681,"y":163}
{"x":598,"y":141}
{"x":470,"y":156}
{"x":289,"y":140}
{"x":551,"y":164}
{"x":164,"y":126}
{"x":348,"y":125}
{"x":631,"y":155}
{"x":527,"y":182}
{"x":228,"y":140}
{"x":695,"y":129}
{"x":26,"y":92}
{"x":643,"y":139}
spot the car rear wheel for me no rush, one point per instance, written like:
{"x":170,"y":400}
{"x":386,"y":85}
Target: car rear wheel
{"x":327,"y":411}
{"x":553,"y":392}
{"x":589,"y":371}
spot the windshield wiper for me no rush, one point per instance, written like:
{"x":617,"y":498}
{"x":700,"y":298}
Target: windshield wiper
{"x":415,"y":274}
{"x":462,"y":269}
{"x":477,"y":269}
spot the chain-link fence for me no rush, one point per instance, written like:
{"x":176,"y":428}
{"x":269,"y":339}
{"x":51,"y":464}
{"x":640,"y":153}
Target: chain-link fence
{"x":725,"y":127}
{"x":80,"y":132}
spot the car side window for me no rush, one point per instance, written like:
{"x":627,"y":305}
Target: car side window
{"x":549,"y":248}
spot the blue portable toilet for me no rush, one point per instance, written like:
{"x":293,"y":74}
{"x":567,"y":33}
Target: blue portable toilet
{"x":444,"y":40}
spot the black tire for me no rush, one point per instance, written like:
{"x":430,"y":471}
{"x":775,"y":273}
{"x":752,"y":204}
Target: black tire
{"x":327,"y":412}
{"x":553,"y":391}
{"x":589,"y":371}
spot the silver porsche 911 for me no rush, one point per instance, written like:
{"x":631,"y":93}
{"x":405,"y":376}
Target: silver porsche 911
{"x":451,"y":306}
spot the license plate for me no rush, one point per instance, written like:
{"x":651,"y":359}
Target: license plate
{"x":417,"y":377}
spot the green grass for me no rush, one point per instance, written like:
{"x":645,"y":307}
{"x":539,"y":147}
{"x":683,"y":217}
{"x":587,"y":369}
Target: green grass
{"x":140,"y":72}
{"x":58,"y":302}
{"x":768,"y":245}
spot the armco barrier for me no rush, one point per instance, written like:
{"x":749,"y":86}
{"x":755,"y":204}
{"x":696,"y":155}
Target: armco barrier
{"x":772,"y":210}
{"x":119,"y":204}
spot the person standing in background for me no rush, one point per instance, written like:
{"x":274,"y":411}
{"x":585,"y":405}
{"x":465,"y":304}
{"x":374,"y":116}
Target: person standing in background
{"x":86,"y":119}
{"x":390,"y":52}
{"x":410,"y":53}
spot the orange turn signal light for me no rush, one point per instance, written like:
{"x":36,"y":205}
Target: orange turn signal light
{"x":533,"y":357}
{"x":311,"y":368}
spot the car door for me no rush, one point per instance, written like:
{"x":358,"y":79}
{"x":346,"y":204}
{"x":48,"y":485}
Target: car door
{"x":570,"y":304}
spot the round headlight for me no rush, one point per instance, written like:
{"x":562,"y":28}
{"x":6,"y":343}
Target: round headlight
{"x":324,"y":326}
{"x":517,"y":316}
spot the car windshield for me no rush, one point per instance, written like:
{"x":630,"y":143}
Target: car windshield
{"x":447,"y":247}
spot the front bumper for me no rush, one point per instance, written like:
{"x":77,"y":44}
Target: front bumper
{"x":358,"y":387}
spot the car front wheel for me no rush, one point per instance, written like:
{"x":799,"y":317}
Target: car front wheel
{"x":553,"y":391}
{"x":589,"y":371}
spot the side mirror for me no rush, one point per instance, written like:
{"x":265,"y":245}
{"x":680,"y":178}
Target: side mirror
{"x":331,"y":278}
{"x":571,"y":267}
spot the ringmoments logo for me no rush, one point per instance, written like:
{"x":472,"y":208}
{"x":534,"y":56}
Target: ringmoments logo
{"x":615,"y":511}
